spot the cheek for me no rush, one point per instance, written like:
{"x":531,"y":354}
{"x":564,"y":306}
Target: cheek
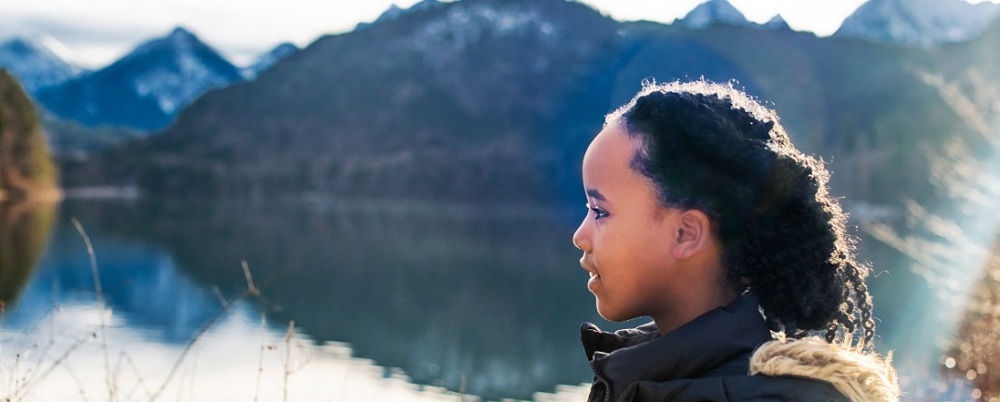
{"x":633,"y":264}
{"x":649,"y":260}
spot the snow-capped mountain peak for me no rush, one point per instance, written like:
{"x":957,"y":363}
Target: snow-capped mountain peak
{"x":177,"y":68}
{"x":918,"y":22}
{"x":145,"y":88}
{"x":714,"y":12}
{"x":180,"y":40}
{"x":34,"y":64}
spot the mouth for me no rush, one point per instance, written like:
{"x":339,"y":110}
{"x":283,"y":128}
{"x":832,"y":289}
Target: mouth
{"x":590,"y":270}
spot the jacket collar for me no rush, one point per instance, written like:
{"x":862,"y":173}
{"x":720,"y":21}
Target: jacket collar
{"x":642,"y":354}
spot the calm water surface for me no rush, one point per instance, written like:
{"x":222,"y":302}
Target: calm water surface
{"x":482,"y":299}
{"x":358,"y":300}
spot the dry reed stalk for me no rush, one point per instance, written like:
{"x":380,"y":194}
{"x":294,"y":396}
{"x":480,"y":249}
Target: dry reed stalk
{"x":288,"y":357}
{"x":124,"y":358}
{"x":260,"y":358}
{"x":100,"y":307}
{"x":22,"y":389}
{"x":252,"y":290}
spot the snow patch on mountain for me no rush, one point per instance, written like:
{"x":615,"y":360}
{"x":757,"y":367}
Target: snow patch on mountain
{"x":918,"y":22}
{"x":35,"y":65}
{"x":466,"y":23}
{"x":182,"y":77}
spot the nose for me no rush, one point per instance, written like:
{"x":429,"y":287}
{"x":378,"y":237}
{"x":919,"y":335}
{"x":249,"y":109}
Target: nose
{"x":581,"y":238}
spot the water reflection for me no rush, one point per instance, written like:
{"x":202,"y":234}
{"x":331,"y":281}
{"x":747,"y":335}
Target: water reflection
{"x":239,"y":360}
{"x":481,"y":298}
{"x":25,"y":228}
{"x":484,"y":299}
{"x":140,"y":281}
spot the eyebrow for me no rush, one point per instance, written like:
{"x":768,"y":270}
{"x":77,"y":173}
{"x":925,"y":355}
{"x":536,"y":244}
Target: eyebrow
{"x":596,"y":194}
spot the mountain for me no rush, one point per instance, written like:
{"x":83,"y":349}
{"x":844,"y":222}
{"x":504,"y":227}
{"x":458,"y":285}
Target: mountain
{"x":35,"y":65}
{"x":714,"y":12}
{"x":499,"y":98}
{"x":144,"y":89}
{"x":266,"y":60}
{"x":918,"y":22}
{"x":429,"y":102}
{"x":26,"y":168}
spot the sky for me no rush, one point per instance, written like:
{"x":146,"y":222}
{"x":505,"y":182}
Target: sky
{"x":94,"y":33}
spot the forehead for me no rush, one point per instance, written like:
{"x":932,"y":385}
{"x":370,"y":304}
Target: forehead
{"x":610,"y":154}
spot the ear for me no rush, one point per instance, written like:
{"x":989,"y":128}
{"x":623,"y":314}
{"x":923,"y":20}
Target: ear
{"x":693,"y":235}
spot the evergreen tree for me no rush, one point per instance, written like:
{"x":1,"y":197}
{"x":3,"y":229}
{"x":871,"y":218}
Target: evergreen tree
{"x":25,"y":162}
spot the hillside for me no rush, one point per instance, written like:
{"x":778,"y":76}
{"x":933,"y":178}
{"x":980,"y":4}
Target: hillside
{"x":429,"y":104}
{"x":498,"y":99}
{"x":26,"y":168}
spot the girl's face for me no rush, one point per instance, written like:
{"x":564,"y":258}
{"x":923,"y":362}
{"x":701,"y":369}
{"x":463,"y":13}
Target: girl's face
{"x":628,"y":236}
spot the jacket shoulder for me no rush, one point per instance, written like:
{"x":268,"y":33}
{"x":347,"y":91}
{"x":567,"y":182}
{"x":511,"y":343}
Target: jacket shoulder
{"x":756,"y":388}
{"x":858,"y":375}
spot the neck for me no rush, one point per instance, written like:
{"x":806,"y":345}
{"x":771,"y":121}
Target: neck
{"x":705,"y":290}
{"x":669,"y":322}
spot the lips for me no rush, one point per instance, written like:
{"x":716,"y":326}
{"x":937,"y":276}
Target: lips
{"x":590,"y":270}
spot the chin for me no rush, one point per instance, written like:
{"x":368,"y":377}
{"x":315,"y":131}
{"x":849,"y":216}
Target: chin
{"x":613,"y":315}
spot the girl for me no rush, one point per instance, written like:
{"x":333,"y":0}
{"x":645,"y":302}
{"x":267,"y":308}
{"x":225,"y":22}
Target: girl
{"x":704,"y":217}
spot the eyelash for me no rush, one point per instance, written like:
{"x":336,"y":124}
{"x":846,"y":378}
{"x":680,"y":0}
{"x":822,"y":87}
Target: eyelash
{"x":598,"y":213}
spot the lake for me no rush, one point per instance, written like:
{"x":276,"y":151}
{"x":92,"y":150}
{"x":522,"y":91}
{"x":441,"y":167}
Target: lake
{"x":483,"y":299}
{"x":317,"y":298}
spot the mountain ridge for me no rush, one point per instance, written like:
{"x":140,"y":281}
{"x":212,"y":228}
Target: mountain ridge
{"x":145,"y":88}
{"x":434,"y":56}
{"x":35,"y":65}
{"x":918,"y":22}
{"x":503,"y":103}
{"x":268,"y":59}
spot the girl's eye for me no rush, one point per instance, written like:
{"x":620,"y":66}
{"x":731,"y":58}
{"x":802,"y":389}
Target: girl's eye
{"x":598,"y":213}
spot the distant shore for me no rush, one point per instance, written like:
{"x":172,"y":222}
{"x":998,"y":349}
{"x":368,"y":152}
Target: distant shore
{"x":102,"y":192}
{"x":45,"y":195}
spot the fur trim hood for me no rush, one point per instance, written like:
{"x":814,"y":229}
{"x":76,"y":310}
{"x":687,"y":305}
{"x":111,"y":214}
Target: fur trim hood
{"x":860,"y":376}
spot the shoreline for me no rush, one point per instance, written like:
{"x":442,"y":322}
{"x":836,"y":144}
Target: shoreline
{"x":42,"y":195}
{"x":102,"y":192}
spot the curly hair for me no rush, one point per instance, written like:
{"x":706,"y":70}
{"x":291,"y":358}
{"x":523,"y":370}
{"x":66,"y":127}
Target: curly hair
{"x":711,"y":147}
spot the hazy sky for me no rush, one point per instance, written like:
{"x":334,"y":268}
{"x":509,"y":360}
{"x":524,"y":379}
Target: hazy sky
{"x":93,"y":33}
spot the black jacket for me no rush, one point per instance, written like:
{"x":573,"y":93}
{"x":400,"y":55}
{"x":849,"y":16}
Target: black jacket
{"x":707,"y":359}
